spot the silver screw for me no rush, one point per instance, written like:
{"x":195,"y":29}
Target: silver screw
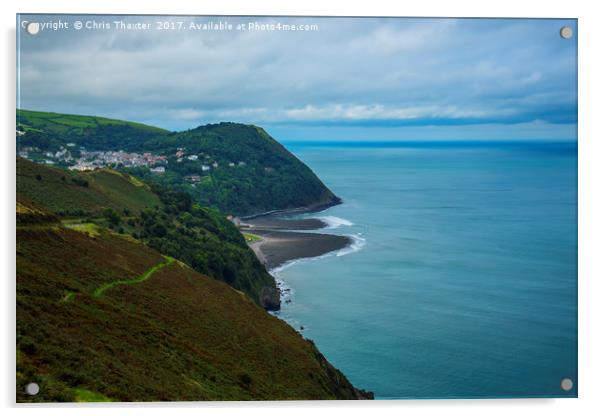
{"x":566,"y":32}
{"x":33,"y":28}
{"x":566,"y":384}
{"x":32,"y":389}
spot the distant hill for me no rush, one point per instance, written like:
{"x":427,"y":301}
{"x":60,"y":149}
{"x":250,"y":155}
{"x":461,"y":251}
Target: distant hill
{"x":51,"y":130}
{"x":103,"y":317}
{"x":164,"y":219}
{"x":236,"y":168}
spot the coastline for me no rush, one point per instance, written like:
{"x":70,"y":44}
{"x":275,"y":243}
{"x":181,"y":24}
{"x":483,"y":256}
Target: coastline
{"x":279,"y":247}
{"x":284,"y":240}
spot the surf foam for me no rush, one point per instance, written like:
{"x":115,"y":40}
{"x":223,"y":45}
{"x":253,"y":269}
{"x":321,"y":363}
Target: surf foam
{"x":358,"y":242}
{"x":335,"y":222}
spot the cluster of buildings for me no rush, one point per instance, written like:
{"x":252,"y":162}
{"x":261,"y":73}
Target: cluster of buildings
{"x":78,"y":158}
{"x":97,"y":159}
{"x":49,"y":158}
{"x":206,"y":166}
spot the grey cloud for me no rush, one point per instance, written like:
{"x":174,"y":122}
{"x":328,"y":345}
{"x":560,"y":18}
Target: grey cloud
{"x":497,"y":71}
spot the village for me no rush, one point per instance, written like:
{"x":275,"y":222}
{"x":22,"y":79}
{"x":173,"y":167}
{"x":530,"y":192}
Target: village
{"x":90,"y":160}
{"x":80,"y":159}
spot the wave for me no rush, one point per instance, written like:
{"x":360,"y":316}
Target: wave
{"x":335,"y":222}
{"x":358,"y":242}
{"x":286,"y":292}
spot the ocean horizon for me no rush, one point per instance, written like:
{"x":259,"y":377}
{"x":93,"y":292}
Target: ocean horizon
{"x":461,"y":278}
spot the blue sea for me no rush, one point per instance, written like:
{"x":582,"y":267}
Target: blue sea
{"x":461,"y":282}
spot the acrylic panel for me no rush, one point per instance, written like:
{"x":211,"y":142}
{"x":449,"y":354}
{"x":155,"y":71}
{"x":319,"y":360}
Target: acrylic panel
{"x":295,"y":208}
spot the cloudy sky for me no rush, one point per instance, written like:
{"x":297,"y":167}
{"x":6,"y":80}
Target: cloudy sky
{"x":352,"y":78}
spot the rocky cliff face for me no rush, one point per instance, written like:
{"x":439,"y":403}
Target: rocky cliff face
{"x":338,"y":383}
{"x":269,"y":298}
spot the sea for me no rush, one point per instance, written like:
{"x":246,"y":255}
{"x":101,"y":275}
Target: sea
{"x":461,"y":281}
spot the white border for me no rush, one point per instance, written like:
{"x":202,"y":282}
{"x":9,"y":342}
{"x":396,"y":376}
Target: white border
{"x":590,"y":207}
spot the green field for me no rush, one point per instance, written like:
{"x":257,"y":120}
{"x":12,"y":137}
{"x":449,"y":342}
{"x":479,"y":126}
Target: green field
{"x":89,"y":228}
{"x":83,"y":395}
{"x":251,"y":238}
{"x":64,"y":123}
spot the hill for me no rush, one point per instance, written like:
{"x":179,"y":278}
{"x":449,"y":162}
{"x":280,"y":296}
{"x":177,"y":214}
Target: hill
{"x":65,"y":192}
{"x":166,"y":220}
{"x":250,"y":172}
{"x":236,"y":168}
{"x":103,"y":317}
{"x":49,"y":131}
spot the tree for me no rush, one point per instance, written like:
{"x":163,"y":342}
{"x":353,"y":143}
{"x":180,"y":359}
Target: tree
{"x":158,"y":230}
{"x":111,"y":216}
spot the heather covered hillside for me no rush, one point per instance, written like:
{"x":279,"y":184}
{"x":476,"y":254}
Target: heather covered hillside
{"x":166,"y":220}
{"x":103,"y":317}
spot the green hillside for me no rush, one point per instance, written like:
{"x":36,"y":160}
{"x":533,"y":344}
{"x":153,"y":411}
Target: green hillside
{"x":166,"y":220}
{"x":271,"y":178}
{"x":63,"y":123}
{"x":103,"y":317}
{"x":50,"y":130}
{"x":236,"y":168}
{"x":69,"y":193}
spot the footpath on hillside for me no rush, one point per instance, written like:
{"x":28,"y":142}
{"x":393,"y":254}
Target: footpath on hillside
{"x":98,"y":292}
{"x":139,"y":279}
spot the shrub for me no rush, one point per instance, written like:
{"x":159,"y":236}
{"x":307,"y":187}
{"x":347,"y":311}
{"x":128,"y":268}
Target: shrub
{"x":245,"y":380}
{"x":111,"y":216}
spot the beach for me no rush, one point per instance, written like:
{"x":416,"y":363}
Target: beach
{"x":283,"y":240}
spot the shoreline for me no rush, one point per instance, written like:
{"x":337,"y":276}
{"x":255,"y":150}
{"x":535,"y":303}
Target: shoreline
{"x":284,"y":241}
{"x":277,"y":248}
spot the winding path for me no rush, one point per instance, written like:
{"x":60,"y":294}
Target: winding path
{"x":100,"y":291}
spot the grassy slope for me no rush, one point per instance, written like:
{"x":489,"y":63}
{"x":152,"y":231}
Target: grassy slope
{"x":177,"y":335}
{"x":63,"y":191}
{"x":49,"y":131}
{"x":54,"y":191}
{"x":62,"y":123}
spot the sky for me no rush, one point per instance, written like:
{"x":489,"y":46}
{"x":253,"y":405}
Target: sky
{"x":342,"y":79}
